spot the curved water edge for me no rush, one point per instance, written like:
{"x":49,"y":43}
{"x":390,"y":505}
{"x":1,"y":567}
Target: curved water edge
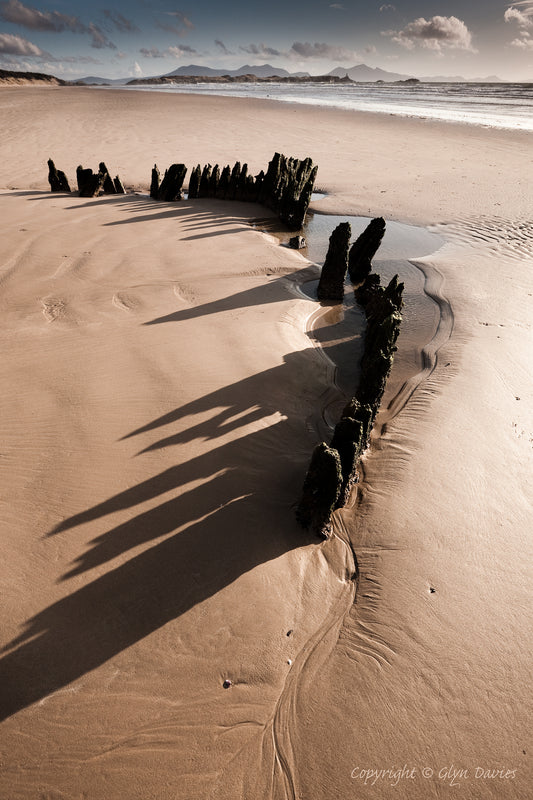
{"x":433,"y":282}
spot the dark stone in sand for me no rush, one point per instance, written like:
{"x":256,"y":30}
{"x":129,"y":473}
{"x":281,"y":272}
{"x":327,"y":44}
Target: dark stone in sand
{"x":249,"y":193}
{"x":213,"y":181}
{"x":223,"y":184}
{"x":301,"y":205}
{"x":203,"y":190}
{"x":382,"y":306}
{"x":194,"y":182}
{"x":363,"y":414}
{"x":286,"y":187}
{"x":321,"y":490}
{"x":364,"y":249}
{"x":154,"y":185}
{"x":332,"y":277}
{"x":90,"y":184}
{"x":107,"y":182}
{"x":297,"y":242}
{"x":258,"y":185}
{"x":57,"y":178}
{"x":119,"y":186}
{"x":374,"y":376}
{"x":378,"y":301}
{"x":172,"y":183}
{"x":234,"y":181}
{"x":295,"y":186}
{"x":241,"y":184}
{"x":268,"y":193}
{"x":349,"y":441}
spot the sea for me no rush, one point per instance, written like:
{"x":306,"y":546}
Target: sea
{"x":491,"y":105}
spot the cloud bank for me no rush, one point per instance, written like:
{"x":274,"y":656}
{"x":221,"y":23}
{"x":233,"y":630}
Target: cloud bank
{"x":170,"y":52}
{"x":319,"y":50}
{"x":120,"y":22}
{"x":18,"y":46}
{"x":259,"y":50}
{"x":436,"y":34}
{"x":180,"y":27}
{"x":17,"y":13}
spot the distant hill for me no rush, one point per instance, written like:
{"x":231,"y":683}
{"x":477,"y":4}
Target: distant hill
{"x":360,"y":73}
{"x":259,"y":70}
{"x":92,"y":80}
{"x":364,"y":74}
{"x":11,"y":76}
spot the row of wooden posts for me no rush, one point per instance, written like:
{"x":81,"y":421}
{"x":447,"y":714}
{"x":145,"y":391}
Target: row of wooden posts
{"x":90,"y":184}
{"x":334,"y":468}
{"x":286,"y":186}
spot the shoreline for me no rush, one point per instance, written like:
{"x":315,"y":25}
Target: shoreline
{"x":149,"y":470}
{"x":443,"y":166}
{"x":324,"y":105}
{"x":481,"y":122}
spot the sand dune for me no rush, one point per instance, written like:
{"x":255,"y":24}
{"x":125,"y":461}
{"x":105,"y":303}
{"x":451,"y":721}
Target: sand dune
{"x":162,"y":392}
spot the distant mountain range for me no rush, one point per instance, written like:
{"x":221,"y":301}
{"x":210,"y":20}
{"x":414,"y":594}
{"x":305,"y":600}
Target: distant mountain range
{"x":260,"y":71}
{"x":363,"y":74}
{"x":93,"y":80}
{"x":359,"y":73}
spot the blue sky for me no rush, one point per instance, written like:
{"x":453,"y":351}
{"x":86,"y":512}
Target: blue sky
{"x":140,"y":38}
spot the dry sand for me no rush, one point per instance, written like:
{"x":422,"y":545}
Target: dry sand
{"x":159,"y":406}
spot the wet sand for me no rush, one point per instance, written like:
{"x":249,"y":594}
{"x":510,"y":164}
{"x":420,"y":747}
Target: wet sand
{"x":162,"y":395}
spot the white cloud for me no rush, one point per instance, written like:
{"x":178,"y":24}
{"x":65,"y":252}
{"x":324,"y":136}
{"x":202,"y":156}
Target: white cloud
{"x":135,"y":70}
{"x":18,"y":46}
{"x":434,"y":34}
{"x":515,"y":15}
{"x":338,"y":6}
{"x":525,"y":43}
{"x":388,"y":7}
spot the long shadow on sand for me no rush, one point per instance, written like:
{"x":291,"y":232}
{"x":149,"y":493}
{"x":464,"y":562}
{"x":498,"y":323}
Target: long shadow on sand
{"x":239,"y":517}
{"x":219,"y":531}
{"x":204,"y":213}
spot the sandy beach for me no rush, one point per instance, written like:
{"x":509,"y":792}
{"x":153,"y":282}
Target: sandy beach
{"x":162,"y":391}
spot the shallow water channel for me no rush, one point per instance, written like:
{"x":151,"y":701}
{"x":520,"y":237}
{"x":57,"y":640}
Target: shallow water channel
{"x":340,"y":329}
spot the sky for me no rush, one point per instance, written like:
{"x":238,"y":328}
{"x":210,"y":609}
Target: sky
{"x":138,"y":38}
